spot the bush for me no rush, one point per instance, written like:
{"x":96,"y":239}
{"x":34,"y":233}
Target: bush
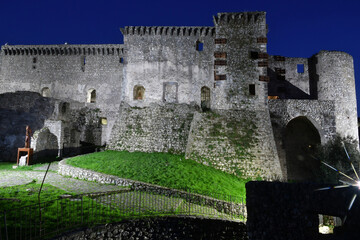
{"x":334,"y":154}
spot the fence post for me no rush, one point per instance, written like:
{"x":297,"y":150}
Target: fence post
{"x":82,"y":211}
{"x":189,"y":201}
{"x":139,"y":202}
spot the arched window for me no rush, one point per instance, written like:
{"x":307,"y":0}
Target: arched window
{"x":205,"y":98}
{"x":139,"y":92}
{"x":91,"y":96}
{"x":45,"y":92}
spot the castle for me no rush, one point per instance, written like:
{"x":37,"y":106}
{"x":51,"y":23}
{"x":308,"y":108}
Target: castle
{"x":212,"y":93}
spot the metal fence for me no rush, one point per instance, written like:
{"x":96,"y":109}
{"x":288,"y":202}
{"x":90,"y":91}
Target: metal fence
{"x":52,"y":218}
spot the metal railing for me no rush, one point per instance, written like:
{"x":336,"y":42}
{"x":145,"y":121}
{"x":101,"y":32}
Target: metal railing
{"x":52,"y":218}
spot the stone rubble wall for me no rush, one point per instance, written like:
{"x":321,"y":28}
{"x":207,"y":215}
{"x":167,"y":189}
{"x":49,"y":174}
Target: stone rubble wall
{"x":89,"y":175}
{"x":158,"y":128}
{"x":181,"y":227}
{"x":237,"y":142}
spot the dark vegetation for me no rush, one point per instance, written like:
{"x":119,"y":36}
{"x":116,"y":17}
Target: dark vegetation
{"x":334,"y":154}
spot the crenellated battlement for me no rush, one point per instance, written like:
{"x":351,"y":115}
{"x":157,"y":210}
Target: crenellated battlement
{"x":63,"y":49}
{"x":239,"y":18}
{"x":168,"y":31}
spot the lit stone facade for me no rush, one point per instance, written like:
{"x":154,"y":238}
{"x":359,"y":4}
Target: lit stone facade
{"x":199,"y":91}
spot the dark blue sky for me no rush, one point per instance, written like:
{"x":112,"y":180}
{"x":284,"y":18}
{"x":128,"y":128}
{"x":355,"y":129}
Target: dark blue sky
{"x":296,"y":28}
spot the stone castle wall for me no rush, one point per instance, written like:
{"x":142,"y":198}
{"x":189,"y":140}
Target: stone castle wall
{"x":238,"y":35}
{"x":337,"y":82}
{"x":68,"y":71}
{"x":167,"y":63}
{"x":149,"y":92}
{"x":238,"y":142}
{"x":156,"y":128}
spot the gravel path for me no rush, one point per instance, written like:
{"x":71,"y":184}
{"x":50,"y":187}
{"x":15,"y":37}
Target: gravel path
{"x":12,"y":178}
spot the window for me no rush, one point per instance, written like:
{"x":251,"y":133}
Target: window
{"x":199,"y":46}
{"x":139,"y":92}
{"x":300,"y":68}
{"x":121,"y":60}
{"x":64,"y":108}
{"x":205,"y":98}
{"x":83,"y":62}
{"x":45,"y":92}
{"x":34,"y":60}
{"x":252,"y":89}
{"x":254,"y":55}
{"x":91,"y":96}
{"x":103,"y":121}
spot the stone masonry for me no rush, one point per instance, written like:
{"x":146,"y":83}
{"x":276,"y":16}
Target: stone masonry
{"x":212,"y":93}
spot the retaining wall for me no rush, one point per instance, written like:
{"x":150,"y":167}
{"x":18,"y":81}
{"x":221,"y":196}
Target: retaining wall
{"x":164,"y":228}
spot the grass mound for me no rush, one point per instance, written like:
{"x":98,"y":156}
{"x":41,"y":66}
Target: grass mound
{"x":168,"y":170}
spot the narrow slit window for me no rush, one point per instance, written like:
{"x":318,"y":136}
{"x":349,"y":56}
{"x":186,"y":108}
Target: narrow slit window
{"x":252,"y":89}
{"x":83,"y":62}
{"x":199,"y":46}
{"x":34,"y":60}
{"x":300,"y":68}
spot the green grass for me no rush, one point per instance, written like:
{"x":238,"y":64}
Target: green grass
{"x":9,"y":166}
{"x":168,"y":170}
{"x":22,"y":195}
{"x":23,"y":216}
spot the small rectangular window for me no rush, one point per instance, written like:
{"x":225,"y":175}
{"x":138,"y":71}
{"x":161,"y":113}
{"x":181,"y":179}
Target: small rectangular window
{"x":121,"y":60}
{"x":300,"y":68}
{"x":254,"y":55}
{"x":103,"y":121}
{"x":199,"y":46}
{"x":34,"y":60}
{"x":252,"y":89}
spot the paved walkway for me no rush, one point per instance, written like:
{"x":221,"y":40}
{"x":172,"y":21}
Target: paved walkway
{"x":12,"y":178}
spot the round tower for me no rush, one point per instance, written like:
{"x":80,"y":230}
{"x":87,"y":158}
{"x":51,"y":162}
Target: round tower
{"x":336,"y":82}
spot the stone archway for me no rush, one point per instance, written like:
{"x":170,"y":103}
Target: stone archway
{"x":300,"y":142}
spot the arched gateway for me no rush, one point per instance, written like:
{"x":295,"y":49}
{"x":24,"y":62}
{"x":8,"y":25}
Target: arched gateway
{"x":300,"y":141}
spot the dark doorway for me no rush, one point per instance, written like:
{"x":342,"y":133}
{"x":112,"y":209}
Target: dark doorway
{"x":300,"y":141}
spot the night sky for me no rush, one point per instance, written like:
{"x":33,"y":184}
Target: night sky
{"x":296,"y":28}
